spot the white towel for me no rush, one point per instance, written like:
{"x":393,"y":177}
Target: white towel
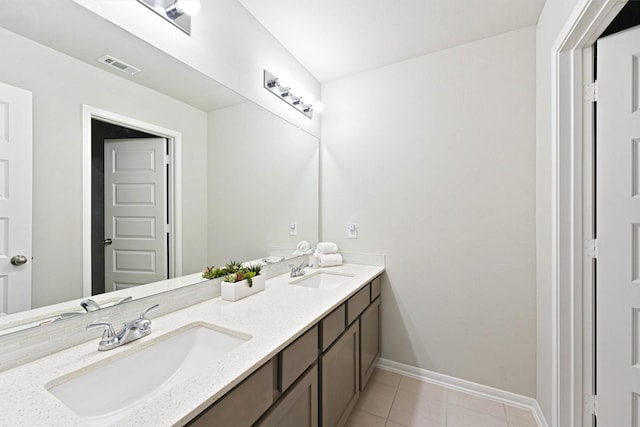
{"x":303,"y":248}
{"x":329,"y":260}
{"x":327,"y":248}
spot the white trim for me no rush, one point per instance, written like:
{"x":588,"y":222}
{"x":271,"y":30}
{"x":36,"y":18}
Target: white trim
{"x":590,"y":251}
{"x":175,"y":187}
{"x":486,"y":392}
{"x":585,"y":24}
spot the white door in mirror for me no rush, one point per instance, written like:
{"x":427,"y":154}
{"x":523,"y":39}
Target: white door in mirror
{"x":135,"y":212}
{"x":15,"y":199}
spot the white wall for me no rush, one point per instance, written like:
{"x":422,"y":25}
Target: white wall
{"x":60,"y":86}
{"x":262,"y":174}
{"x":227,"y":43}
{"x":554,"y":16}
{"x":434,"y":159}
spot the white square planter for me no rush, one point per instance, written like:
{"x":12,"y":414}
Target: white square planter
{"x":239,"y":290}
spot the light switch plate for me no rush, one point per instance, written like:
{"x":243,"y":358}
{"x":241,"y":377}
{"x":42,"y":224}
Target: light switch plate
{"x":293,"y":228}
{"x":352,"y":231}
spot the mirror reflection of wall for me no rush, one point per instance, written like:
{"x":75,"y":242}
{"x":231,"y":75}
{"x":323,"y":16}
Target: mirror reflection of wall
{"x":239,"y":151}
{"x":270,"y":169}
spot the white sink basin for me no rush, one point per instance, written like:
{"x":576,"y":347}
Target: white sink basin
{"x":105,"y":393}
{"x":323,"y":280}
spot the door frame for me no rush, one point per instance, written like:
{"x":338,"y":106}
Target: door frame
{"x":571,"y":135}
{"x":174,"y":141}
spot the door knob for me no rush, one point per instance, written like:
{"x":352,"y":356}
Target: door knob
{"x":107,"y":242}
{"x":19,"y":260}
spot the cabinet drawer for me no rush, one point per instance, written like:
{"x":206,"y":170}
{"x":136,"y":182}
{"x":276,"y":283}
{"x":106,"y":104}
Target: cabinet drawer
{"x":332,"y":326}
{"x":243,"y":405}
{"x":297,"y":357}
{"x":357,"y":303}
{"x":375,"y":287}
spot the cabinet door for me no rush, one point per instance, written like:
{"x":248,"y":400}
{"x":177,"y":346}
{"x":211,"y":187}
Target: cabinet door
{"x":369,"y":341}
{"x":340,"y":378}
{"x":298,"y":407}
{"x":243,"y":405}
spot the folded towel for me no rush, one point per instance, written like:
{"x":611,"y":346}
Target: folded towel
{"x":327,"y":248}
{"x":303,"y":248}
{"x":329,"y":260}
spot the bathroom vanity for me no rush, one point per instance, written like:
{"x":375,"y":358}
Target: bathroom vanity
{"x":306,"y":353}
{"x":288,"y":390}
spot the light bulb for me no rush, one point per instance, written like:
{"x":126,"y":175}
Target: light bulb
{"x":189,"y":7}
{"x":285,"y":80}
{"x":318,"y":107}
{"x":308,"y":98}
{"x":297,"y":89}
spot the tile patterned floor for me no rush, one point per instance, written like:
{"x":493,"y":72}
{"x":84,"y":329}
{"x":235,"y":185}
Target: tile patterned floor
{"x":394,"y":400}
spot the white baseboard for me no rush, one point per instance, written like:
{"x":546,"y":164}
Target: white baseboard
{"x":480,"y":390}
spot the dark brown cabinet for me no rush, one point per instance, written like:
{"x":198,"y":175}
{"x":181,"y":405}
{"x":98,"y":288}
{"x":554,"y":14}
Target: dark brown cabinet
{"x":243,"y":405}
{"x":357,"y":303}
{"x":298,"y":407}
{"x":339,"y":378}
{"x":316,"y":380}
{"x":369,"y":341}
{"x":332,"y":326}
{"x":297,"y":357}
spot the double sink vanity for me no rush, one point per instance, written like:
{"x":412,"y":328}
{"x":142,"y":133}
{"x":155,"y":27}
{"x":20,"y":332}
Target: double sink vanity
{"x":295,"y":354}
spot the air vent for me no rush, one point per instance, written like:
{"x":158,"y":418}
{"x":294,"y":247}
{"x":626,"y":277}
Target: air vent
{"x":119,"y":65}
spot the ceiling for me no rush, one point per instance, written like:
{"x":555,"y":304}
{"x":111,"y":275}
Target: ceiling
{"x":336,"y":38}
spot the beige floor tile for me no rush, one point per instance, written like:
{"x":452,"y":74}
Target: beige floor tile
{"x":376,"y":399}
{"x":477,"y":404}
{"x":386,"y":377}
{"x":412,"y":409}
{"x":459,"y":416}
{"x":517,"y":417}
{"x":360,"y":418}
{"x":423,"y":388}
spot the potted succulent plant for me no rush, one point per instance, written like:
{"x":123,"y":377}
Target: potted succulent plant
{"x":239,"y":282}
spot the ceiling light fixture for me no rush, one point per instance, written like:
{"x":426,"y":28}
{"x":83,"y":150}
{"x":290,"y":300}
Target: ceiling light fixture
{"x":292,"y":93}
{"x":183,"y":7}
{"x":177,"y":12}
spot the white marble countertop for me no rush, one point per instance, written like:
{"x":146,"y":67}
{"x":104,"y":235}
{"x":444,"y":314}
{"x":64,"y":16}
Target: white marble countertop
{"x":273,"y":318}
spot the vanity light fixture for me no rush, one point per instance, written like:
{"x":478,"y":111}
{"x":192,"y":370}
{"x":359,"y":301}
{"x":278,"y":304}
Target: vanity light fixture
{"x":292,"y":93}
{"x":177,"y":12}
{"x":183,"y":7}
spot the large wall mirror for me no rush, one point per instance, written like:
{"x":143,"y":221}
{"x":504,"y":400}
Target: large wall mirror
{"x":233,"y":176}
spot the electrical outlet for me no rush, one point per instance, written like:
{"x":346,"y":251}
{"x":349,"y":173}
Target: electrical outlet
{"x":352,"y":231}
{"x":293,"y":228}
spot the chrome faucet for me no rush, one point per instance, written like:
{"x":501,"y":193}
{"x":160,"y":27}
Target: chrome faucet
{"x":131,"y":331}
{"x":297,"y":271}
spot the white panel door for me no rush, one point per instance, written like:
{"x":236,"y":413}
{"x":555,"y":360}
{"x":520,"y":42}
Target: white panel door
{"x":618,"y":229}
{"x":15,"y":199}
{"x":135,"y":191}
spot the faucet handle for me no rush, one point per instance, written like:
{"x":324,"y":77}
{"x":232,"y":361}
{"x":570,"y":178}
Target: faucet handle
{"x":123,"y":300}
{"x":143,"y":315}
{"x":89,"y":305}
{"x":142,"y":323}
{"x":109,"y":332}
